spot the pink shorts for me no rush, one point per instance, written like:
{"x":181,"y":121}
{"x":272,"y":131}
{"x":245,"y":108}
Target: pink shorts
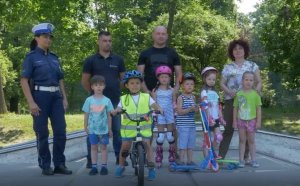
{"x":249,"y":125}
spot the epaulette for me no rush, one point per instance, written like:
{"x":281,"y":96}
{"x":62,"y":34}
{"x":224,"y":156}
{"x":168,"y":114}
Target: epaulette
{"x":53,"y":54}
{"x":31,"y":52}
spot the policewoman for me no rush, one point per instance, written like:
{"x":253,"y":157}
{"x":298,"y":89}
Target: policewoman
{"x":43,"y":86}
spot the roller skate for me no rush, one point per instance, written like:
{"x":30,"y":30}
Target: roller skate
{"x":172,"y":156}
{"x":159,"y":156}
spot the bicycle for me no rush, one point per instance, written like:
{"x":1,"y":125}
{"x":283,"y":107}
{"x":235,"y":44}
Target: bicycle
{"x":138,"y":152}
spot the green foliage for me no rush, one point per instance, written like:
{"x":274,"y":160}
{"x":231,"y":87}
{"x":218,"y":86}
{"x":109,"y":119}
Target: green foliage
{"x":277,"y":24}
{"x":268,"y":93}
{"x":8,"y":76}
{"x":201,"y":40}
{"x":226,"y":8}
{"x":5,"y":68}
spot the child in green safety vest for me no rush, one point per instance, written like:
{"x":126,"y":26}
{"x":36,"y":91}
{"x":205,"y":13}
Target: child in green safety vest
{"x":135,"y":103}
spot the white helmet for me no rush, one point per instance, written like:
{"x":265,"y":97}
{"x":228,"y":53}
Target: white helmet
{"x":206,"y":69}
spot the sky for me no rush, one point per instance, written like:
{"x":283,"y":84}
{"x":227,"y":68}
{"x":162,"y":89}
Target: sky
{"x":246,"y":6}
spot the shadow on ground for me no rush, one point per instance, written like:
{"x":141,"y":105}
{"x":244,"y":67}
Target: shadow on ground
{"x":10,"y":135}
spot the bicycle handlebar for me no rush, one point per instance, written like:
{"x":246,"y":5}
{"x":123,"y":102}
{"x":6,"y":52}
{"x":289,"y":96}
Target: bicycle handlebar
{"x":142,"y":118}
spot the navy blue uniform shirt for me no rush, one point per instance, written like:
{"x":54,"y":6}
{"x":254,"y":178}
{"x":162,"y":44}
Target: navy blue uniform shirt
{"x":110,"y":68}
{"x":44,"y":69}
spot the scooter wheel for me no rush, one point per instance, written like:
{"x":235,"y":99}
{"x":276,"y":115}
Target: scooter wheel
{"x":215,"y":167}
{"x":172,"y":168}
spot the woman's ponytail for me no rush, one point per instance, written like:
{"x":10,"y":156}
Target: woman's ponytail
{"x":33,"y":44}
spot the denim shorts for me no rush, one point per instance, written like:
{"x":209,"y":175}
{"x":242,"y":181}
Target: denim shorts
{"x":249,"y":125}
{"x":99,"y":139}
{"x":167,"y":118}
{"x":187,"y":137}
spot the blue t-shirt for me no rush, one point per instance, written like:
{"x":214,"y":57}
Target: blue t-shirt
{"x":97,"y":108}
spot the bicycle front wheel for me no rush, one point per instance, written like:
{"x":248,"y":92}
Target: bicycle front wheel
{"x":141,"y":164}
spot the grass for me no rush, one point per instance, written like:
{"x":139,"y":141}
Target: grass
{"x":282,"y":120}
{"x":18,"y":128}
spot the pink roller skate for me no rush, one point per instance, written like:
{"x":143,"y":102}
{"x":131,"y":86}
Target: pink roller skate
{"x":172,"y":156}
{"x":159,"y":156}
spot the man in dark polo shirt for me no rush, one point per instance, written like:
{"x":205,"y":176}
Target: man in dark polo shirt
{"x":112,"y":68}
{"x":157,"y":55}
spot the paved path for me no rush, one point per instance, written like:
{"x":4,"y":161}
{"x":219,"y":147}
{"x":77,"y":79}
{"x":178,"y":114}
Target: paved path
{"x":272,"y":172}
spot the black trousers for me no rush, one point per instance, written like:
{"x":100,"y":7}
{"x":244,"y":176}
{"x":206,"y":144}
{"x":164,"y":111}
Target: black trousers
{"x":229,"y":130}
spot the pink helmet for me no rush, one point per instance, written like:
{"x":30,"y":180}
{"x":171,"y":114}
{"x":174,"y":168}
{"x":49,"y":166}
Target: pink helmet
{"x":163,"y":70}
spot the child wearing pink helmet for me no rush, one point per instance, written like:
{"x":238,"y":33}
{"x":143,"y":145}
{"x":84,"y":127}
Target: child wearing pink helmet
{"x":164,"y":96}
{"x":214,"y":112}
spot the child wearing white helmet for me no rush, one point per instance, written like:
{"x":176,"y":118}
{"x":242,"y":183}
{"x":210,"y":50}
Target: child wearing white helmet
{"x":214,"y":110}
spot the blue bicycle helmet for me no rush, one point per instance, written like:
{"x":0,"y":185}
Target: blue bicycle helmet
{"x":189,"y":75}
{"x":132,"y":74}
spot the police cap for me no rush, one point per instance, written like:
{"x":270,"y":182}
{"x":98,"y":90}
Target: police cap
{"x":43,"y":28}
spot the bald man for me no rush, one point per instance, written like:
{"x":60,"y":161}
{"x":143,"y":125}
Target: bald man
{"x":153,"y":57}
{"x":157,"y":55}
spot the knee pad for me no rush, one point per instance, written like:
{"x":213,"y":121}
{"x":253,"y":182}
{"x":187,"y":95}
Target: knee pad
{"x":125,"y":153}
{"x":218,"y":137}
{"x":160,"y":138}
{"x":170,"y":137}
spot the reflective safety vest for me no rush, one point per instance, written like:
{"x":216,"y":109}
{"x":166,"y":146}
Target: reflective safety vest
{"x":128,"y":127}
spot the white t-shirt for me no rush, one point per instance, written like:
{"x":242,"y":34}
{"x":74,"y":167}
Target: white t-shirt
{"x":213,"y":102}
{"x":135,"y":100}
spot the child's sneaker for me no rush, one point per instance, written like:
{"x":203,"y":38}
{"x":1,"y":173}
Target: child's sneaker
{"x":103,"y":170}
{"x":151,"y":174}
{"x":254,"y":164}
{"x":93,"y":171}
{"x":119,"y":171}
{"x":218,"y":157}
{"x":241,"y":164}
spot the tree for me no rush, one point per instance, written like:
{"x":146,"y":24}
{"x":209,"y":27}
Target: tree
{"x":226,"y":8}
{"x":6,"y":75}
{"x":277,"y":24}
{"x":200,"y":40}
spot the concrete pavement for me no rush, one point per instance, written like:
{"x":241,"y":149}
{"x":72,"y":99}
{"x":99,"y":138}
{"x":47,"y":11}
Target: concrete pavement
{"x":272,"y":172}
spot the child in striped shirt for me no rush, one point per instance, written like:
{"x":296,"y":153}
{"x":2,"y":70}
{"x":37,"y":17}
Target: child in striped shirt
{"x":185,"y":120}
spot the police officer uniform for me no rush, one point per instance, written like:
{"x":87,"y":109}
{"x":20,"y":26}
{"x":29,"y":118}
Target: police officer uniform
{"x":43,"y":69}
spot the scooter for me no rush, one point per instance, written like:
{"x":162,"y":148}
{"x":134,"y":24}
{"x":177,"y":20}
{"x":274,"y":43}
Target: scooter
{"x":210,"y":160}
